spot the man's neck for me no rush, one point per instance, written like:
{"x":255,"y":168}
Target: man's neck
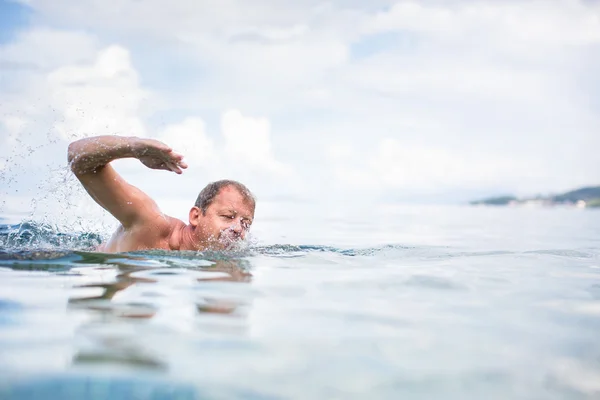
{"x":184,"y":240}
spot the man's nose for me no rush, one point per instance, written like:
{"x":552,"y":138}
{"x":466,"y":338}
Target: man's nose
{"x":237,"y":228}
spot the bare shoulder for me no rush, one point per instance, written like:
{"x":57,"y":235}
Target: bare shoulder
{"x":172,"y":224}
{"x":152,"y":233}
{"x":159,"y":227}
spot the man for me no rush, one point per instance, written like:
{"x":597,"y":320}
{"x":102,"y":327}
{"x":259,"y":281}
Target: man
{"x":221,"y":216}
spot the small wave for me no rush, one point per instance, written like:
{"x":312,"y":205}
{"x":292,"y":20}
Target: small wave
{"x":288,"y":250}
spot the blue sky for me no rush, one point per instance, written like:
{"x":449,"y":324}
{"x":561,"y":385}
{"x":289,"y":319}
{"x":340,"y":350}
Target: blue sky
{"x":394,"y":101}
{"x":13,"y":16}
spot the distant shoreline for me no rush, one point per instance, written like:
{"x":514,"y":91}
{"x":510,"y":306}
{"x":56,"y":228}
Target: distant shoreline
{"x":585,"y":197}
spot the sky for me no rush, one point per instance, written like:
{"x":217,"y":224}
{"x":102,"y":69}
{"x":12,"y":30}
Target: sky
{"x":322,"y":102}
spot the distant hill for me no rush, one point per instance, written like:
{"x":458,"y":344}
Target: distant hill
{"x":595,"y":203}
{"x":495,"y":201}
{"x":586,"y":196}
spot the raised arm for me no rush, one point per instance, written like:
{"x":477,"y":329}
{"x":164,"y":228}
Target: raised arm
{"x":89,"y":160}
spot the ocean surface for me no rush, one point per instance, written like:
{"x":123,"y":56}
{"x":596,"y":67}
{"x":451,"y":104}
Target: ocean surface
{"x":390,"y":302}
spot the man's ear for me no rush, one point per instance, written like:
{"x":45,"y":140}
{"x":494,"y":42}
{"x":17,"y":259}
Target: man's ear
{"x":194,"y":216}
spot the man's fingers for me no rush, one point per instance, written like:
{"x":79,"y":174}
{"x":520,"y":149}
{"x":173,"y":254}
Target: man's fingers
{"x":177,"y":160}
{"x":168,"y":161}
{"x":174,"y":168}
{"x":171,"y":167}
{"x":176,"y":156}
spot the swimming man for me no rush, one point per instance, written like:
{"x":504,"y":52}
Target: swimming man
{"x":221,"y":216}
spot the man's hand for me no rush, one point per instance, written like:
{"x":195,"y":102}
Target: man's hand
{"x":157,"y":155}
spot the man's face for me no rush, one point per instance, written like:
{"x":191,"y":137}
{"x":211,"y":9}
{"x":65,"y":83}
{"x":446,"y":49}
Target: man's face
{"x":227,"y":219}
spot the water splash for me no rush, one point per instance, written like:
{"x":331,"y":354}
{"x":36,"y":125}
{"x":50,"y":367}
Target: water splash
{"x":31,"y":235}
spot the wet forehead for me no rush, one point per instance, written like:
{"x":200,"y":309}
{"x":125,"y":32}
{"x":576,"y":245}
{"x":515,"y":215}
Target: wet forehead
{"x":230,"y":199}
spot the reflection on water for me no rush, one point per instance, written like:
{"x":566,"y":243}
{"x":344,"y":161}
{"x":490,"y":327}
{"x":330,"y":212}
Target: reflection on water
{"x":137,"y":288}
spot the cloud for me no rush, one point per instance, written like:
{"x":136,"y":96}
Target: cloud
{"x":239,"y":149}
{"x":533,"y":22}
{"x":189,"y":138}
{"x":248,"y":142}
{"x":245,"y":144}
{"x":394,"y":165}
{"x":99,"y":99}
{"x":36,"y":49}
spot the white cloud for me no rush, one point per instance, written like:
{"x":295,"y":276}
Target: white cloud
{"x":412,"y":170}
{"x":37,"y":50}
{"x":568,"y":22}
{"x":242,"y":150}
{"x":394,"y":164}
{"x":189,"y":138}
{"x":248,"y":142}
{"x":99,"y":99}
